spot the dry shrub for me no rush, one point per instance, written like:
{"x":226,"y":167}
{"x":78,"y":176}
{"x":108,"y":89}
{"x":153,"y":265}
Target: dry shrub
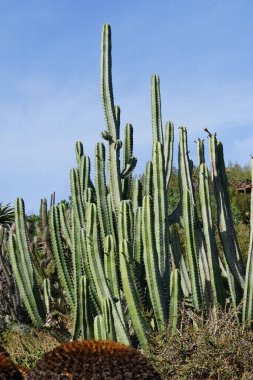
{"x":216,"y":348}
{"x":8,"y":369}
{"x":26,"y":346}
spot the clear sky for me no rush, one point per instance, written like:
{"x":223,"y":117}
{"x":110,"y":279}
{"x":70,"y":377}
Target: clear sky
{"x":49,"y":81}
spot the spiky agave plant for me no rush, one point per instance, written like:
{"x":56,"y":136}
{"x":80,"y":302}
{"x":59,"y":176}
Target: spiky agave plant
{"x":7,"y":214}
{"x":90,"y":359}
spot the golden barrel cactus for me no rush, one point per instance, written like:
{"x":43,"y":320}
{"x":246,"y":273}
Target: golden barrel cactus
{"x":92,"y":360}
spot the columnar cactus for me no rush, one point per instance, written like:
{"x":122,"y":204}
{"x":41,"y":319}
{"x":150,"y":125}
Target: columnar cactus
{"x":117,"y":252}
{"x":22,"y":265}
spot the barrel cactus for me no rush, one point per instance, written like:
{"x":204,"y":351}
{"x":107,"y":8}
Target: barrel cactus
{"x":90,"y":359}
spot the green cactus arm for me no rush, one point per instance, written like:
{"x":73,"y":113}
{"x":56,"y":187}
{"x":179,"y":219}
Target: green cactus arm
{"x":106,"y":83}
{"x":153,"y":277}
{"x":225,"y":186}
{"x":89,"y":196}
{"x":86,"y":319}
{"x":77,"y":272}
{"x":65,"y":226}
{"x":224,"y":222}
{"x":131,"y":294}
{"x":22,"y":239}
{"x":76,"y":196}
{"x":160,"y":205}
{"x":168,"y":150}
{"x":126,"y":176}
{"x":125,"y":221}
{"x":107,"y":320}
{"x":52,"y":199}
{"x":247,"y":311}
{"x":235,"y":290}
{"x":43,"y":213}
{"x":99,"y":333}
{"x":64,"y":271}
{"x":174,"y":300}
{"x":101,"y":191}
{"x":189,"y":219}
{"x":110,"y":117}
{"x":204,"y":270}
{"x":128,"y":144}
{"x":83,"y":164}
{"x":110,"y":266}
{"x":179,"y":262}
{"x":25,"y":287}
{"x":29,"y":280}
{"x":201,"y":151}
{"x":96,"y":304}
{"x":97,"y":270}
{"x":138,"y":247}
{"x":47,"y":294}
{"x":78,"y":151}
{"x":111,"y":272}
{"x":117,"y":115}
{"x":191,"y":250}
{"x":148,"y":181}
{"x":156,"y":109}
{"x":137,"y":194}
{"x":112,"y":217}
{"x":129,"y":162}
{"x":84,"y":170}
{"x":211,"y":249}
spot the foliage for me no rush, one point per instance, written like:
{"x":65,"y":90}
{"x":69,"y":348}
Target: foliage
{"x":6,"y":215}
{"x":26,"y":345}
{"x":201,"y":348}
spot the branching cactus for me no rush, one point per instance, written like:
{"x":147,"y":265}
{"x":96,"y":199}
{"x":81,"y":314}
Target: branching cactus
{"x":112,"y":121}
{"x":118,"y":253}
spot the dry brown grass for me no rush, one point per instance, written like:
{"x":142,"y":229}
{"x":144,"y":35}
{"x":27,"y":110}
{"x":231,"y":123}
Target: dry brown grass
{"x":215,"y":349}
{"x":26,"y":347}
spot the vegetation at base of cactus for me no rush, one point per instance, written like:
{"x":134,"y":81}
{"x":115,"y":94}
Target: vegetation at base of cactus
{"x":26,"y":345}
{"x":208,"y":348}
{"x":93,"y":360}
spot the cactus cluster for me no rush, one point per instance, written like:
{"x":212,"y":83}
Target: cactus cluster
{"x":117,"y":251}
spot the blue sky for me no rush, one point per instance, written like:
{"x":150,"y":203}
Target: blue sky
{"x":49,"y":81}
